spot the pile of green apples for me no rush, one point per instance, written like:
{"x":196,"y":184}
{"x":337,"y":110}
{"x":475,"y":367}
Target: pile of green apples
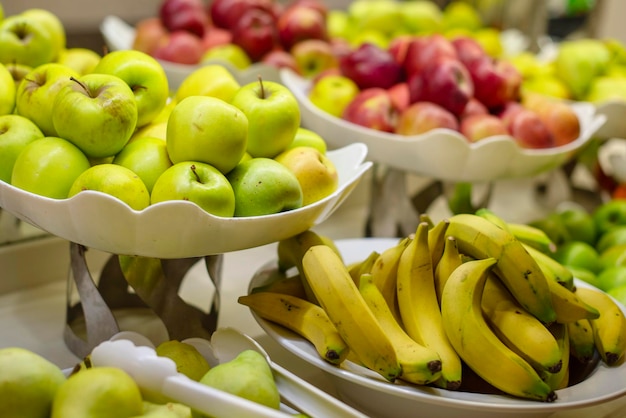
{"x":33,"y":387}
{"x":234,"y":150}
{"x":586,"y":69}
{"x":592,"y":244}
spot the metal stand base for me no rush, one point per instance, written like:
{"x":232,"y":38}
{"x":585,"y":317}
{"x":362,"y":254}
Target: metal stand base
{"x":143,"y":283}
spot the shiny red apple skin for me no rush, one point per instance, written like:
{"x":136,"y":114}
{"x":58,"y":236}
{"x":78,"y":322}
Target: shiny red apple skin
{"x":226,"y":13}
{"x":400,"y":95}
{"x":180,"y":47}
{"x":474,"y":107}
{"x":186,"y":15}
{"x":468,"y":49}
{"x":299,"y":23}
{"x":372,"y":108}
{"x":422,"y":117}
{"x":318,"y":5}
{"x":256,"y":33}
{"x":280,"y":58}
{"x":148,"y":34}
{"x":558,"y":116}
{"x":424,"y":50}
{"x":529,"y":131}
{"x":495,"y":82}
{"x":481,"y":126}
{"x":215,"y":36}
{"x":371,"y":66}
{"x":445,"y":82}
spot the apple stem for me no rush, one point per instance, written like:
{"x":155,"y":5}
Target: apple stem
{"x":195,"y":173}
{"x":262,"y":89}
{"x":82,"y":85}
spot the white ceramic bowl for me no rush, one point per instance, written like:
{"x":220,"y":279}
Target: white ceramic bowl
{"x":376,"y":397}
{"x":175,"y":229}
{"x":443,"y":153}
{"x":119,"y":35}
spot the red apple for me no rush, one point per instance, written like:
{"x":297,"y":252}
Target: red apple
{"x":372,"y":108}
{"x":399,"y":45}
{"x":445,"y":82}
{"x":255,"y":32}
{"x":298,"y":23}
{"x":480,"y":126}
{"x":400,"y":95}
{"x":468,"y":49}
{"x":181,"y":47}
{"x":279,"y":58}
{"x":313,"y":56}
{"x":495,"y":82}
{"x":341,"y":47}
{"x":318,"y":5}
{"x":474,"y":107}
{"x":424,"y":50}
{"x":559,"y":117}
{"x":528,"y":130}
{"x":226,"y":13}
{"x":148,"y":34}
{"x":186,"y":15}
{"x":215,"y":36}
{"x":421,"y":117}
{"x":371,"y":66}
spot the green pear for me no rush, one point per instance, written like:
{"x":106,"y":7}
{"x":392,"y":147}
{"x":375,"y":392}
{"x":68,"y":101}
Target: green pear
{"x":606,"y":88}
{"x":188,"y":359}
{"x":165,"y":410}
{"x":28,"y":383}
{"x":248,"y":375}
{"x":99,"y":392}
{"x":580,"y":61}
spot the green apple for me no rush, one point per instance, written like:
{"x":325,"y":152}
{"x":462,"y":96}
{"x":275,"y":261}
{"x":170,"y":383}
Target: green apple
{"x":81,"y":60}
{"x":231,"y":53}
{"x":188,"y":359}
{"x":98,"y":392}
{"x":579,"y":224}
{"x":209,"y":80}
{"x":7,"y":91}
{"x":199,"y":183}
{"x":578,"y":254}
{"x":145,"y":77}
{"x":115,"y":180}
{"x":315,"y":172}
{"x":15,"y":133}
{"x":28,"y":383}
{"x":151,"y":130}
{"x":308,"y":138}
{"x":53,"y":24}
{"x":273,"y":116}
{"x":585,"y":275}
{"x":580,"y":61}
{"x":37,"y":91}
{"x":612,"y":237}
{"x":97,"y":113}
{"x":610,"y":215}
{"x":208,"y":130}
{"x":147,"y":157}
{"x":606,"y":88}
{"x":421,"y":16}
{"x":619,"y":293}
{"x":263,"y":186}
{"x":375,"y":16}
{"x":554,"y":227}
{"x":613,"y":256}
{"x":612,"y":277}
{"x":491,"y":41}
{"x":25,"y":40}
{"x":332,"y":93}
{"x":18,"y":72}
{"x":461,"y":15}
{"x":48,"y":167}
{"x":338,"y":24}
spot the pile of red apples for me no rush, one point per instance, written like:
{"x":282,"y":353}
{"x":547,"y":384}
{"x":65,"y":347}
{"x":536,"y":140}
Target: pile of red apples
{"x":420,"y":83}
{"x":266,"y":30}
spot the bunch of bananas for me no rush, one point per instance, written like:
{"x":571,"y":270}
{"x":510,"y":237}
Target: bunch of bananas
{"x":469,"y":292}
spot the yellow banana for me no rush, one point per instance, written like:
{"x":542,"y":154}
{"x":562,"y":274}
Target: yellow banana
{"x":450,"y":260}
{"x":304,"y":318}
{"x":420,"y":364}
{"x":533,"y":237}
{"x":424,"y":217}
{"x":491,"y":216}
{"x":291,"y":285}
{"x":384,"y":273}
{"x":419,"y":307}
{"x":559,"y":379}
{"x":551,"y":268}
{"x":582,"y":346}
{"x":362,"y":267}
{"x":437,"y":240}
{"x":609,"y":329}
{"x":518,"y":329}
{"x":569,"y":307}
{"x":336,"y":292}
{"x":477,"y":344}
{"x":480,"y":238}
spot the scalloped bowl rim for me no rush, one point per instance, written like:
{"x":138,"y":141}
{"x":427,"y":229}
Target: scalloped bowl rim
{"x":568,"y":398}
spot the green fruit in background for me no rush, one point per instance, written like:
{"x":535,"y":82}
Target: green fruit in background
{"x":579,"y":224}
{"x":28,"y":383}
{"x":613,"y":256}
{"x":99,"y":392}
{"x":580,"y":61}
{"x":165,"y":410}
{"x":610,"y":215}
{"x":248,"y":375}
{"x":619,"y":293}
{"x":188,"y":359}
{"x":611,"y":278}
{"x":578,"y":254}
{"x":554,"y":227}
{"x":611,"y":238}
{"x":584,"y":275}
